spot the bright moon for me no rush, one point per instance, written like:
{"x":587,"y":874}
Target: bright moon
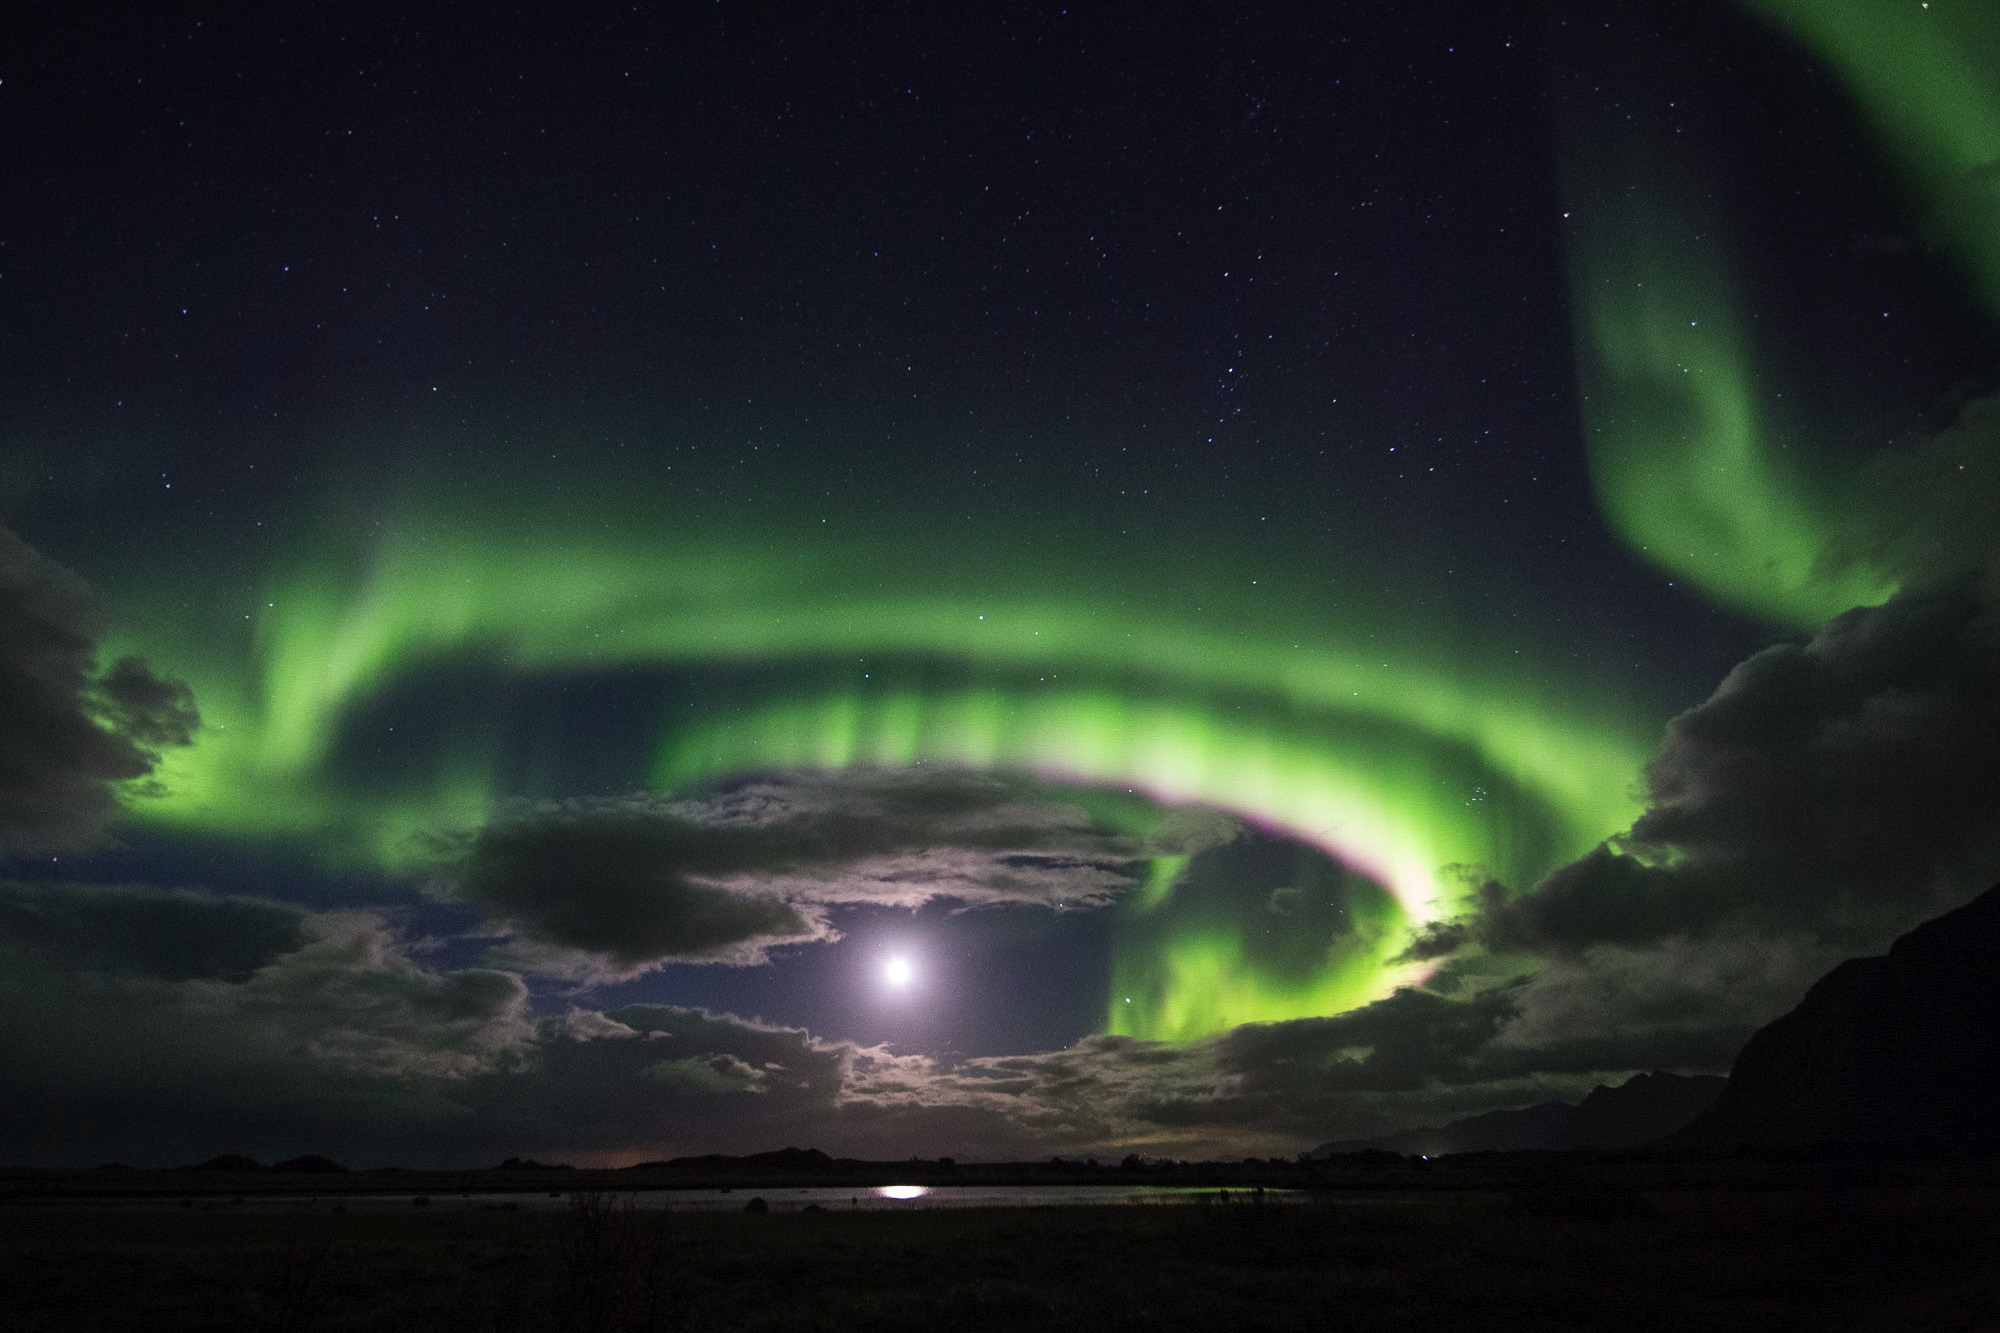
{"x":898,"y":972}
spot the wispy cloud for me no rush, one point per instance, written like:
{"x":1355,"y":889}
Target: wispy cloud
{"x":600,"y":888}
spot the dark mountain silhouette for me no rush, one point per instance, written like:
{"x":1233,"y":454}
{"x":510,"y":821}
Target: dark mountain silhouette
{"x":229,"y":1162}
{"x":1641,"y":1109}
{"x":783,"y":1159}
{"x":1495,"y":1131}
{"x":1897,"y":1050}
{"x":311,"y":1164}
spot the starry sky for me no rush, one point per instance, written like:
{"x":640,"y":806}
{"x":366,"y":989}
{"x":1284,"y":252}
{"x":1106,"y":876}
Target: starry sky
{"x":1193,"y":580}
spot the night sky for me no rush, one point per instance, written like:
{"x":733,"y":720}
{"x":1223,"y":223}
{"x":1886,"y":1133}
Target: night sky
{"x":1178,"y":578}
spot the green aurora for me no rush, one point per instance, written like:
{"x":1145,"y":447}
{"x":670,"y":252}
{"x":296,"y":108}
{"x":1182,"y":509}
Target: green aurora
{"x":1420,"y":772}
{"x":1927,"y":78}
{"x":1684,"y":455}
{"x":1425,"y":753}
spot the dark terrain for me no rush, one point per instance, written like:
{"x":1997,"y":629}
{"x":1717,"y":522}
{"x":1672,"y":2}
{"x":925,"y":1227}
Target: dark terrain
{"x":1497,"y":1242}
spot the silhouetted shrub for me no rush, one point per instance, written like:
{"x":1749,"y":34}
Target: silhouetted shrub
{"x":615,"y":1267}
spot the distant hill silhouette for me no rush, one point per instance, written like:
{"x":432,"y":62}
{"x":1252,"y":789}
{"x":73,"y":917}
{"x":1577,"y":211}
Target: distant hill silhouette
{"x":311,"y":1164}
{"x":1898,"y":1050}
{"x":783,"y":1159}
{"x":1637,"y":1111}
{"x":229,"y":1162}
{"x":1495,"y":1131}
{"x":1643,"y":1108}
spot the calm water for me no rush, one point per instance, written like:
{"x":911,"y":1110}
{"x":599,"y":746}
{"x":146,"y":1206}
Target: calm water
{"x":779,"y":1200}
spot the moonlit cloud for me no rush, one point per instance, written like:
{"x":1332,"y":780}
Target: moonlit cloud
{"x":1843,"y":788}
{"x":151,"y":1022}
{"x":613,"y":886}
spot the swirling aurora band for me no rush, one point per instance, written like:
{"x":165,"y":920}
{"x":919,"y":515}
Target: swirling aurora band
{"x":1408,"y":771}
{"x":1420,"y":754}
{"x":1398,"y":806}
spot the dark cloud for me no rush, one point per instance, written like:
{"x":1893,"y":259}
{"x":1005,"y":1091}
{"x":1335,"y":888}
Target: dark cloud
{"x":1262,"y":1088}
{"x":1412,"y":1039}
{"x":662,"y":1080}
{"x":617,"y":885}
{"x":620,"y":883}
{"x":1829,"y":794}
{"x":334,"y":1036}
{"x":245,"y":1023}
{"x":1681,"y":1003}
{"x":150,"y":712}
{"x":354,"y":999}
{"x":130,"y":931}
{"x":1843,"y":789}
{"x":68,"y":736}
{"x":1436,"y":939}
{"x":1826,"y":797}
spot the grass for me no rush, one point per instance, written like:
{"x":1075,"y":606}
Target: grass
{"x":1796,"y":1259}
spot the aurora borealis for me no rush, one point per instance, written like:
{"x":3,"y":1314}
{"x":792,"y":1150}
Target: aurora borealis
{"x":1192,"y":524}
{"x":1400,"y":772}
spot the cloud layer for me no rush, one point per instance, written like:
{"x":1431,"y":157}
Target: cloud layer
{"x":606,"y":887}
{"x":145,"y":1024}
{"x":1829,"y":794}
{"x":68,"y":735}
{"x":1840,"y":789}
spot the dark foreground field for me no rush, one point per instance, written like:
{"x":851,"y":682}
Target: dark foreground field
{"x":1563,"y":1256}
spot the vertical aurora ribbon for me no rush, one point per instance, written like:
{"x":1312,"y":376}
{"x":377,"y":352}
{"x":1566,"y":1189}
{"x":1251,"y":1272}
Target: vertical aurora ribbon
{"x":1685,"y":457}
{"x":1682,"y":456}
{"x":1927,"y":77}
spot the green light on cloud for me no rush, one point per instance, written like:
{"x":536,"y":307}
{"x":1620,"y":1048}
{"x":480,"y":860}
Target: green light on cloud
{"x":1212,"y":961}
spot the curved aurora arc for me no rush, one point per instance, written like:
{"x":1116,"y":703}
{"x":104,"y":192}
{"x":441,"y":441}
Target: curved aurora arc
{"x":1420,"y":775}
{"x":1422,"y":755}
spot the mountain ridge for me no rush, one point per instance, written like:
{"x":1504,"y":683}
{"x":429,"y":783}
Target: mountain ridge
{"x":1643,"y":1108}
{"x":1894,"y":1050}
